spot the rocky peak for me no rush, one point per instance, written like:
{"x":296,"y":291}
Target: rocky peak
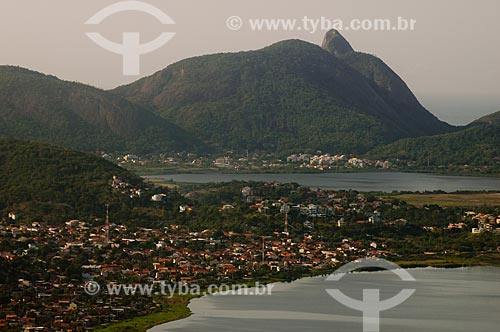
{"x":336,"y":44}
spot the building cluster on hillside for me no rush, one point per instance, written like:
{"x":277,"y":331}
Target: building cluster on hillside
{"x":327,"y":161}
{"x":320,"y":161}
{"x":485,"y":222}
{"x":472,"y":221}
{"x":231,"y":160}
{"x":125,"y":188}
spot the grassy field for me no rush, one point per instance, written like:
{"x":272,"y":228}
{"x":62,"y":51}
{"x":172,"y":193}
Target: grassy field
{"x":162,"y":182}
{"x":173,"y":309}
{"x":451,"y":261}
{"x":165,"y":169}
{"x":466,"y":200}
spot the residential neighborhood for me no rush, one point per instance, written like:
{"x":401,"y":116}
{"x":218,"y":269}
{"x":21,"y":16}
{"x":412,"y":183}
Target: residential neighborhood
{"x":264,"y":232}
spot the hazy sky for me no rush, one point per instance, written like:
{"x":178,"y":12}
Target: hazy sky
{"x":451,"y":60}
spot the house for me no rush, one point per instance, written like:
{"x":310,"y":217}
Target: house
{"x":222,"y":161}
{"x":158,"y":197}
{"x":246,"y":191}
{"x":400,"y":221}
{"x":7,"y":255}
{"x":227,"y":207}
{"x":185,"y":208}
{"x":456,"y":226}
{"x":312,"y":210}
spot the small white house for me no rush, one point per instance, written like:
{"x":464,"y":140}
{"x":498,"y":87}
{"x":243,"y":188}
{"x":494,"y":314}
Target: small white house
{"x":158,"y":197}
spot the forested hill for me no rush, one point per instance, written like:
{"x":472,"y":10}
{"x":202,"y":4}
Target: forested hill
{"x":50,"y":183}
{"x":490,"y":119}
{"x":292,"y":95}
{"x":478,"y":144}
{"x":43,"y":108}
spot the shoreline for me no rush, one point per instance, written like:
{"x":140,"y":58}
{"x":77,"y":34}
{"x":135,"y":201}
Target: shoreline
{"x":320,"y":275}
{"x":182,"y":308}
{"x":207,"y":170}
{"x":163,"y":175}
{"x":373,"y":182}
{"x":173,"y":309}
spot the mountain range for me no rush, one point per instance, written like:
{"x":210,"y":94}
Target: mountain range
{"x":288,"y":96}
{"x":292,"y":96}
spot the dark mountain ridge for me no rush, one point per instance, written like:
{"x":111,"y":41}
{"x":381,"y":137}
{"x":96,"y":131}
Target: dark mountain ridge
{"x":292,"y":95}
{"x":43,"y":108}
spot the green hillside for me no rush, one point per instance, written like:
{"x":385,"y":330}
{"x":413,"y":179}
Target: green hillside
{"x":491,"y":119}
{"x":43,"y":108}
{"x":292,"y":95}
{"x":43,"y":182}
{"x":477,"y":145}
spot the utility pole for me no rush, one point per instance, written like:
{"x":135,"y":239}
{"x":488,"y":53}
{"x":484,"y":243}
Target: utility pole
{"x":286,"y":223}
{"x":285,"y":208}
{"x":263,"y":250}
{"x":107,"y":224}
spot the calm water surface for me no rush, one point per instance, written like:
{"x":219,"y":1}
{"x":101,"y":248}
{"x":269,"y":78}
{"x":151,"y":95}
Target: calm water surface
{"x":366,"y":181}
{"x":453,"y":300}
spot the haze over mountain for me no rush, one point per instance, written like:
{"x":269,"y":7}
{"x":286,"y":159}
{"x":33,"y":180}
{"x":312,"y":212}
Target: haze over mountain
{"x":292,"y":95}
{"x":43,"y":108}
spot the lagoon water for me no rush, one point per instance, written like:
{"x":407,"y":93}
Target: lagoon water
{"x":454,"y":300}
{"x":364,"y":181}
